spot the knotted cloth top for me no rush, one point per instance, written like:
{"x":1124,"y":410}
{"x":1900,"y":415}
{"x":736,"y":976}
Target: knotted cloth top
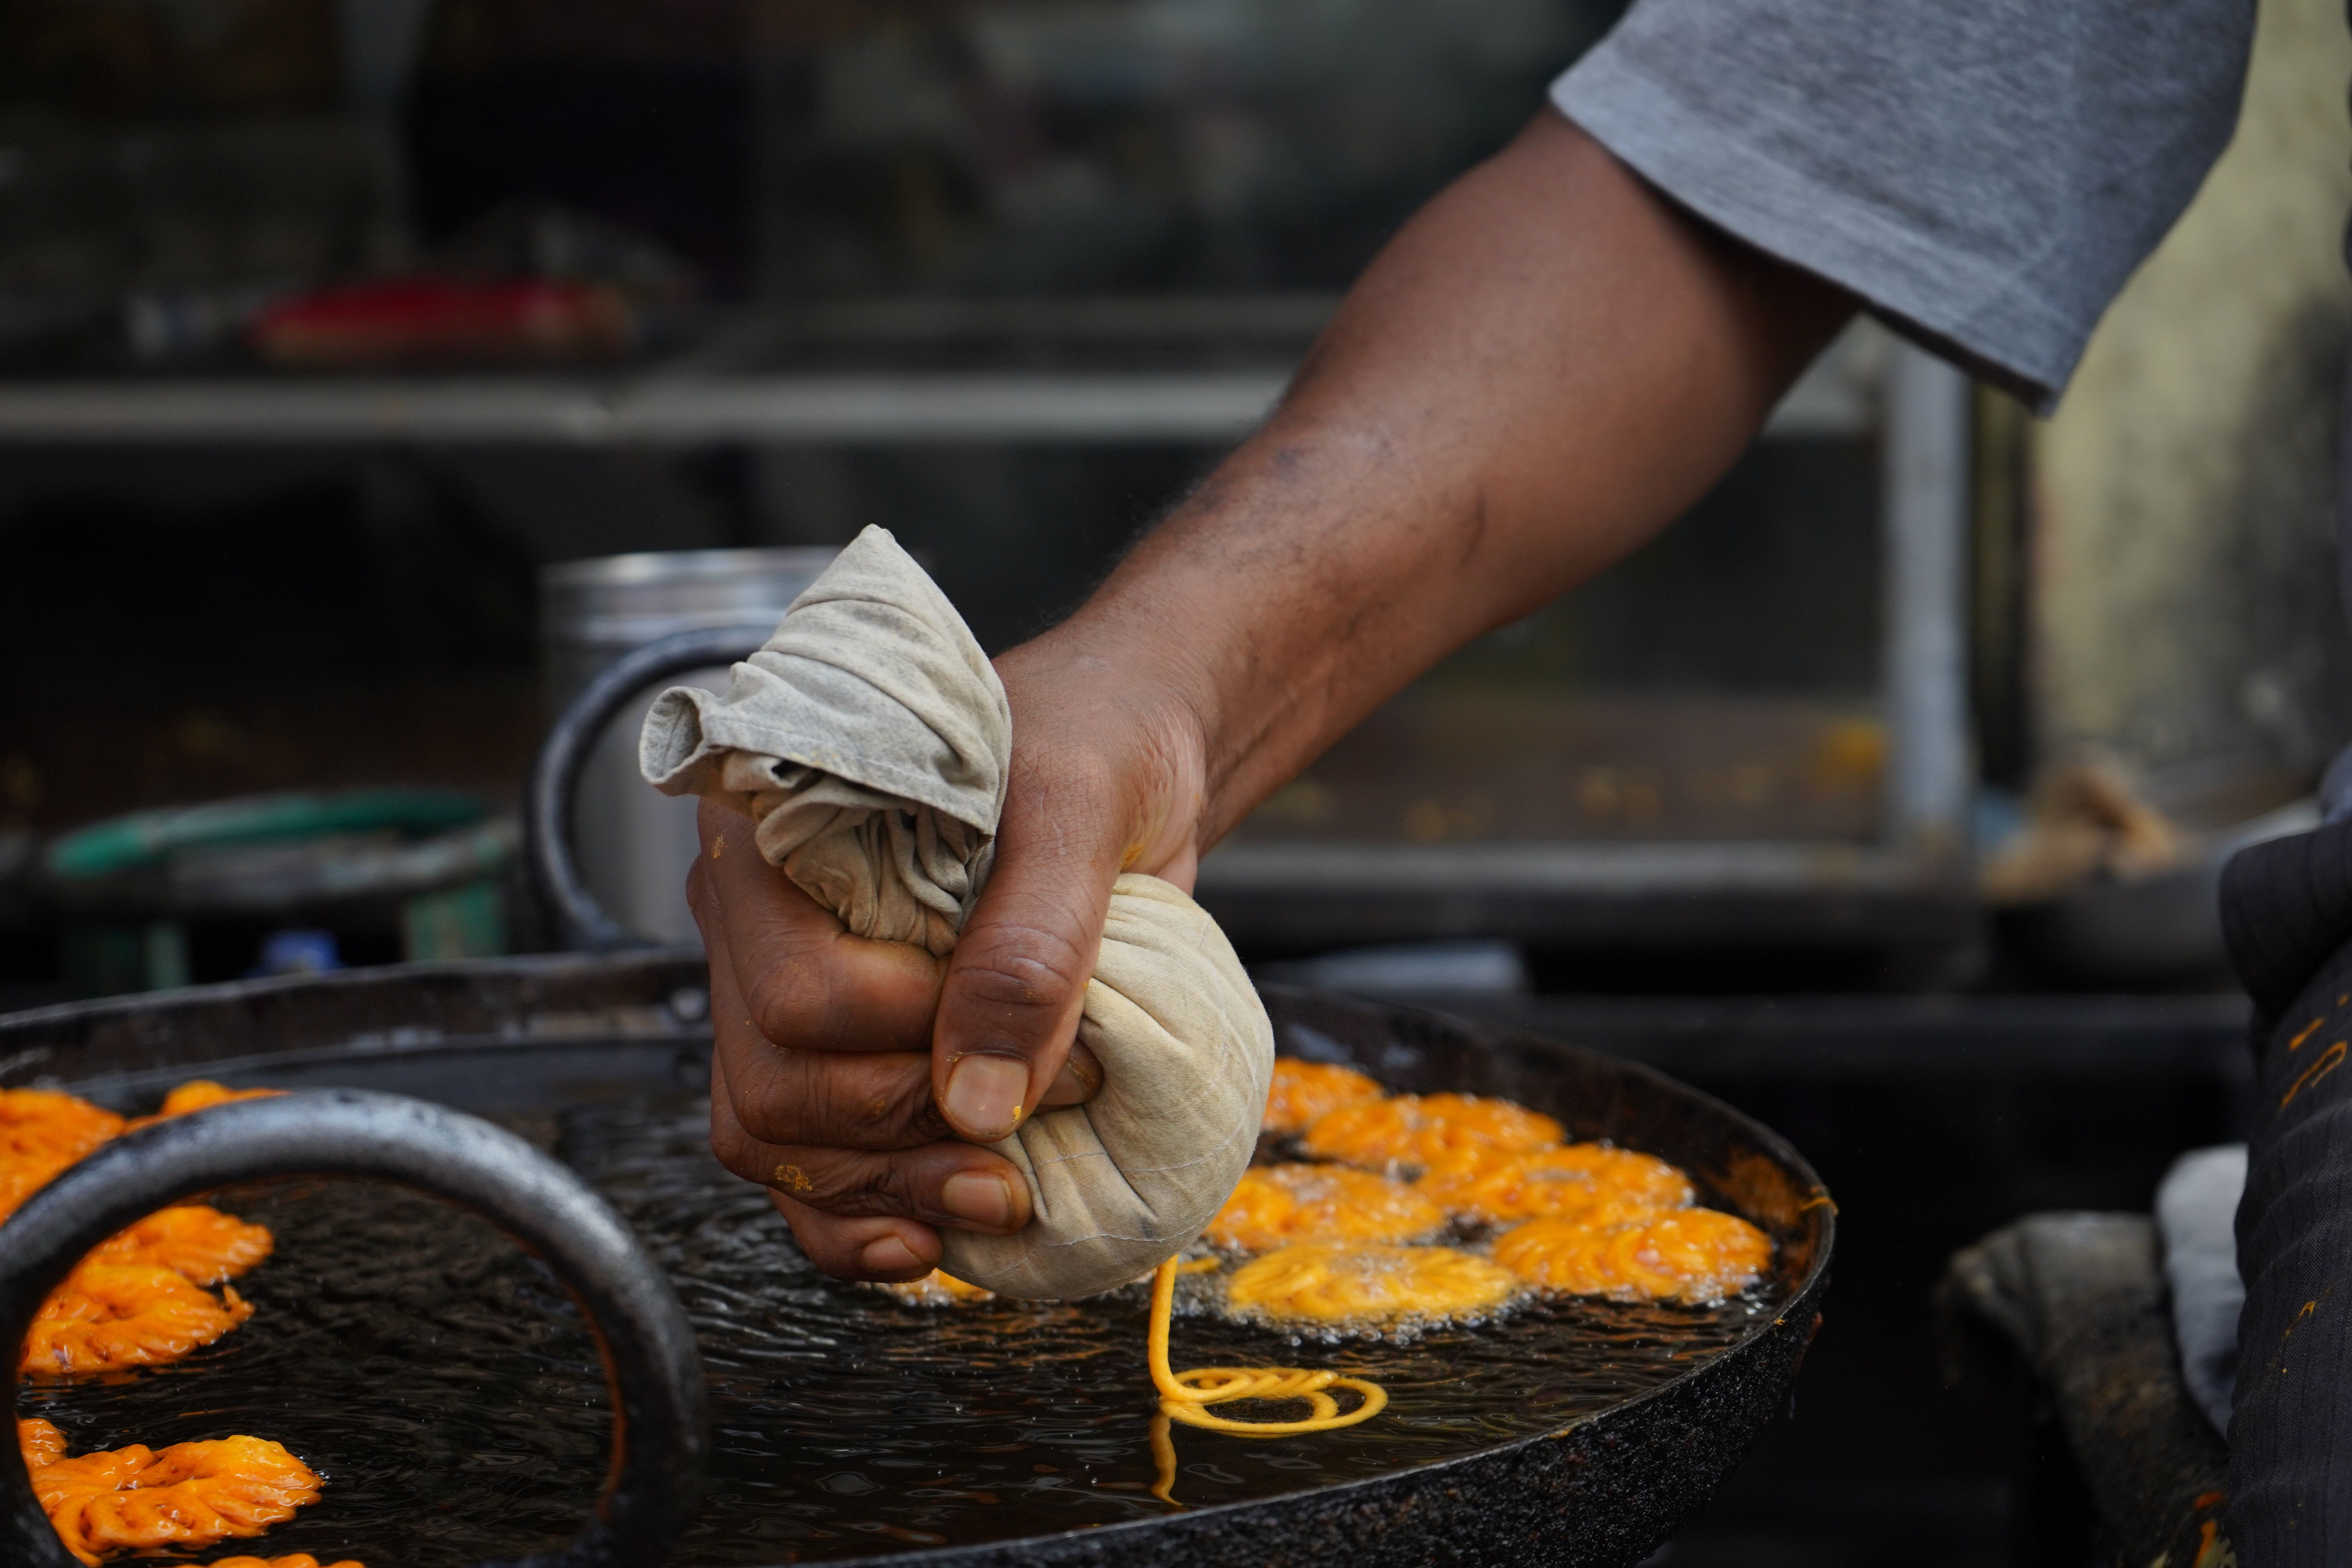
{"x":869,"y":741}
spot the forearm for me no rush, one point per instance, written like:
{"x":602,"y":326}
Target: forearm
{"x":1546,"y":366}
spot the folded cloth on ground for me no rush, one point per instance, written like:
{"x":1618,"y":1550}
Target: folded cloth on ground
{"x":869,"y":741}
{"x":2196,"y":1216}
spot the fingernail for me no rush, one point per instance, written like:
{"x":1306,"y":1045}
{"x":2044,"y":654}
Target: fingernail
{"x":888,"y":1255}
{"x":1075,"y":1083}
{"x":984,"y":1095}
{"x":978,"y":1199}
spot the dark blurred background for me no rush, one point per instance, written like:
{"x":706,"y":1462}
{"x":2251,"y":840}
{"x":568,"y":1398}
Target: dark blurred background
{"x":326,"y":330}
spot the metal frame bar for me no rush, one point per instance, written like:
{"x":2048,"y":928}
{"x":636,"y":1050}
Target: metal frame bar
{"x":1211,"y":407}
{"x":1925,"y":693}
{"x":706,"y":397}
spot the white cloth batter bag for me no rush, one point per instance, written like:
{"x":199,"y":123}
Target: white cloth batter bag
{"x":869,"y":741}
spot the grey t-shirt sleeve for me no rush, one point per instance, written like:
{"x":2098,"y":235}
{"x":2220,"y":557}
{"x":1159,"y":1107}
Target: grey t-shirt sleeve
{"x":1985,"y":175}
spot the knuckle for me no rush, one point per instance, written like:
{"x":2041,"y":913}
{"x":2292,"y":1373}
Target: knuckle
{"x":779,"y":999}
{"x":773,"y":1107}
{"x":736,"y":1150}
{"x":839,"y":1100}
{"x":1019,"y":965}
{"x":838,"y":1184}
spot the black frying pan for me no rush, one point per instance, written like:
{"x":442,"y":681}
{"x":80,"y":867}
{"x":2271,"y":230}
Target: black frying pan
{"x":523,"y":1036}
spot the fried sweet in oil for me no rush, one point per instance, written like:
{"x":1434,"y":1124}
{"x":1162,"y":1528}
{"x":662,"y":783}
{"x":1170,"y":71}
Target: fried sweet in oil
{"x":35,"y":1124}
{"x":1425,"y":1129}
{"x":106,"y":1316}
{"x":21,"y":1178}
{"x":1304,"y":1092}
{"x":40,"y":1442}
{"x":188,"y":1495}
{"x":940,"y":1289}
{"x":1186,"y":1395}
{"x":1590,"y":1181}
{"x":198,"y":1094}
{"x":1697,"y":1256}
{"x":202,"y":1245}
{"x":1274,"y":1206}
{"x":44,"y":1445}
{"x":1368,"y":1285}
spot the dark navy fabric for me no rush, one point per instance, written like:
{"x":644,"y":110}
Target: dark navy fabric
{"x":2287,"y":911}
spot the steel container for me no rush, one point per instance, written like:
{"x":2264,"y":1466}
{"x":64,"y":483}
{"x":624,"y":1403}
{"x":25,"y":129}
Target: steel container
{"x":633,"y":844}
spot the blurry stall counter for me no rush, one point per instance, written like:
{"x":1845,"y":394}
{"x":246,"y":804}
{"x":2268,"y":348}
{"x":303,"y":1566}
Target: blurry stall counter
{"x":1181,"y":370}
{"x":420,"y":866}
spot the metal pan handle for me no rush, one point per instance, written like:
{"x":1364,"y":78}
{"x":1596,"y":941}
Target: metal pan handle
{"x":555,"y":776}
{"x":660,"y":1430}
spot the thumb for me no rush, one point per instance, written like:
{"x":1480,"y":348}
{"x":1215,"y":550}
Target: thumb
{"x":1017,"y":980}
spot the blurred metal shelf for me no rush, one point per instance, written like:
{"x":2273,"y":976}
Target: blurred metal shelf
{"x":707,"y":398}
{"x":889,"y":409}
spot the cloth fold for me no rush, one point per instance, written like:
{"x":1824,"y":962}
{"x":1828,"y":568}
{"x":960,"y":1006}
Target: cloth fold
{"x":869,"y":741}
{"x":2196,"y":1219}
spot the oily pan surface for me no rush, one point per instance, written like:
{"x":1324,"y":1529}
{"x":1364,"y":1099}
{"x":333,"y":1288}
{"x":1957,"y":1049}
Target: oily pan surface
{"x":448,"y":1394}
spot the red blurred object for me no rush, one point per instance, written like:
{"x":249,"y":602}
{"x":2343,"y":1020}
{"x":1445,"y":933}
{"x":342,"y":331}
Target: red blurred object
{"x":411,"y":319}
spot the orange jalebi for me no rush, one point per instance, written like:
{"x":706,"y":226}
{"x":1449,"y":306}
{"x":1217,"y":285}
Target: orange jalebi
{"x":40,"y":1442}
{"x":294,"y":1559}
{"x":1186,"y":1395}
{"x":1305,"y":1091}
{"x":1424,"y":1130}
{"x":106,"y":1316}
{"x":40,"y":1134}
{"x":188,"y":1495}
{"x":1565,"y":1182}
{"x":1697,"y":1256}
{"x":135,"y":1299}
{"x":203,"y":1246}
{"x":1274,"y":1206}
{"x":198,"y":1094}
{"x":1368,"y":1285}
{"x":35,"y":1124}
{"x":23,"y":1176}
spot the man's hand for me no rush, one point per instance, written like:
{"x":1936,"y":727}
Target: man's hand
{"x":1546,"y":366}
{"x":841,"y":1125}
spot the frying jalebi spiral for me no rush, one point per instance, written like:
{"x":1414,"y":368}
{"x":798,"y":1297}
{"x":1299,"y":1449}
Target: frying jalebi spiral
{"x":38,"y":1124}
{"x":1372,"y":1287}
{"x":1274,"y":1206}
{"x":188,"y":1495}
{"x":198,"y":1094}
{"x":106,"y":1316}
{"x":1185,"y":1395}
{"x":1578,"y":1180}
{"x":293,"y":1560}
{"x":1695,"y":1255}
{"x":939,"y":1288}
{"x":1425,"y":1129}
{"x":1306,"y":1091}
{"x":202,"y":1245}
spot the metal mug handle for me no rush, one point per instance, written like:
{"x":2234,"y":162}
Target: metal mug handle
{"x":555,"y":776}
{"x":660,"y":1428}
